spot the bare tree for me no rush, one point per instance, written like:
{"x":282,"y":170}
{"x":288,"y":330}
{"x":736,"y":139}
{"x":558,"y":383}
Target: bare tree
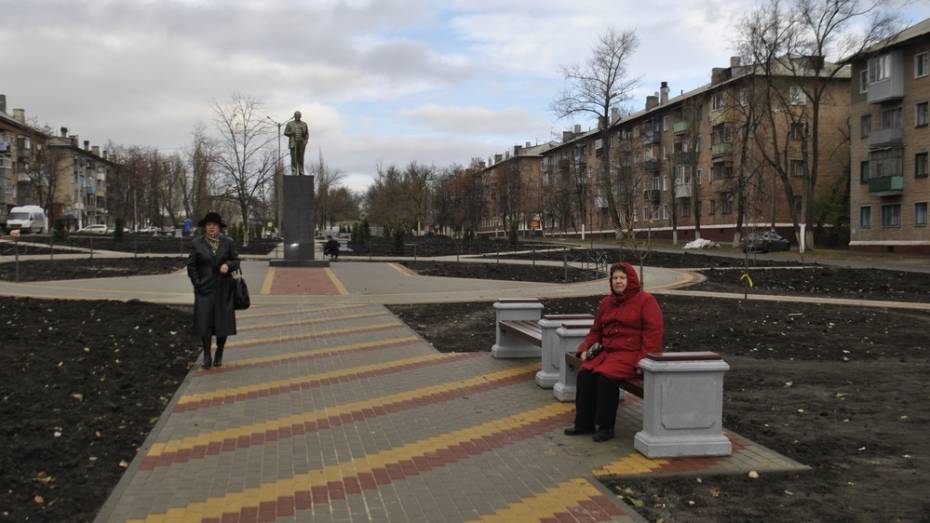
{"x":244,"y":157}
{"x":595,"y":88}
{"x":326,"y":180}
{"x":201,"y":158}
{"x":792,"y":47}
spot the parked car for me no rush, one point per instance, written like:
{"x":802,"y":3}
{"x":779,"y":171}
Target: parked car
{"x":147,"y":230}
{"x":94,"y":229}
{"x":764,"y":241}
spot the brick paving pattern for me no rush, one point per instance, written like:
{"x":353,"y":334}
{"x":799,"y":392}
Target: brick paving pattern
{"x":342,"y":413}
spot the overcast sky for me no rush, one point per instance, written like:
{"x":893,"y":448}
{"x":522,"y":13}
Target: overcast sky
{"x":380,"y":81}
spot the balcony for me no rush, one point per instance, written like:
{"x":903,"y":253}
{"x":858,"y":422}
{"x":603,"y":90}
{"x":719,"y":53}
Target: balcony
{"x":891,"y":136}
{"x":683,"y":190}
{"x":721,"y":149}
{"x":886,"y":185}
{"x":892,"y":86}
{"x":679,"y":127}
{"x":652,"y":138}
{"x":652,"y":195}
{"x":651,"y":166}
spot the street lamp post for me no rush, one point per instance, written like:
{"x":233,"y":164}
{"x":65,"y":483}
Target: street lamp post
{"x":279,"y":172}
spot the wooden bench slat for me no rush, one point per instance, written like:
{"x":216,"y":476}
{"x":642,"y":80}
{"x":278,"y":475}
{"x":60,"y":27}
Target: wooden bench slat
{"x":517,"y":300}
{"x":527,"y":329}
{"x":632,"y":385}
{"x":568,"y":316}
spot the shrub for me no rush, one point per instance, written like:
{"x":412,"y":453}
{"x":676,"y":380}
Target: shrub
{"x":512,"y":234}
{"x":399,"y":241}
{"x":366,"y":230}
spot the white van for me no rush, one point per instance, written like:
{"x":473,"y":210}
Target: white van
{"x":27,"y":218}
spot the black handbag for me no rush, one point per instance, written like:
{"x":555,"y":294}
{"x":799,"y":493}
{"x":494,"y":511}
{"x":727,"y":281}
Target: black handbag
{"x":241,"y":300}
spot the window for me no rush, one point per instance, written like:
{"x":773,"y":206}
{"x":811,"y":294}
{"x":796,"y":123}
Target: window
{"x":797,"y":168}
{"x":666,"y":125}
{"x":891,"y":216}
{"x":879,"y":68}
{"x":920,"y":165}
{"x":720,"y":171}
{"x":865,"y":125}
{"x":685,"y":208}
{"x":744,"y":96}
{"x":700,"y":175}
{"x":864,"y":81}
{"x":796,"y":95}
{"x":921,"y":64}
{"x":920,"y":214}
{"x":921,"y":116}
{"x":727,"y":201}
{"x":886,"y":163}
{"x":797,"y":131}
{"x":711,"y":207}
{"x":891,"y":118}
{"x":864,"y":172}
{"x":716,"y":103}
{"x":865,"y":217}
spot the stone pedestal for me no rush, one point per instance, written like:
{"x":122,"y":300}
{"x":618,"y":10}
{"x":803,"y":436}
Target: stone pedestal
{"x":297,"y":225}
{"x":569,"y":338}
{"x":682,"y":406}
{"x":510,"y":346}
{"x":552,"y":350}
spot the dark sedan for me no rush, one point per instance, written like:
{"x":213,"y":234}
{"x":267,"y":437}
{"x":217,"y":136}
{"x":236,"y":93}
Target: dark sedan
{"x":764,"y":241}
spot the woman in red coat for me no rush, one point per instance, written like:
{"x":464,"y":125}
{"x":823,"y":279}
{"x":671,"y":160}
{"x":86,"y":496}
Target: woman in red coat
{"x":628,"y":325}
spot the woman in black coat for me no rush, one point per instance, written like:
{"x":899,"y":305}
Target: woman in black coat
{"x":210,"y":266}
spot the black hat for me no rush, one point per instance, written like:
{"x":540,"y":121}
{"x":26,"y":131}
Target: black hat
{"x":212,"y":217}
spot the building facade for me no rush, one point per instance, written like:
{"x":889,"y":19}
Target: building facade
{"x":20,"y":149}
{"x":890,"y":124}
{"x":512,"y":190}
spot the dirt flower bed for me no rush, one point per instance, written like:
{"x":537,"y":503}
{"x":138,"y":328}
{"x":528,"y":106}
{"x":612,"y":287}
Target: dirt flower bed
{"x":145,"y":244}
{"x":429,"y":246}
{"x":867,"y":284}
{"x":81,"y":385}
{"x":47,"y":270}
{"x":501,"y":271}
{"x":672,"y":260}
{"x":840,"y":389}
{"x":10,"y":249}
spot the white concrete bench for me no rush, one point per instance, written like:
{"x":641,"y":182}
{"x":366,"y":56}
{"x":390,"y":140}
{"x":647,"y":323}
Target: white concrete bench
{"x":514,"y":321}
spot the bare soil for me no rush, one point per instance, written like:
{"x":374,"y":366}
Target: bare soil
{"x":429,"y":246}
{"x":81,"y":385}
{"x":867,"y":284}
{"x":48,"y":270}
{"x":671,"y":260}
{"x":146,"y":244}
{"x":843,"y":390}
{"x":502,"y":271}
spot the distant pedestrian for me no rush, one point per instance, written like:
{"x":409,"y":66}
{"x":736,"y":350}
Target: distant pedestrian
{"x":331,"y":248}
{"x":210,"y":266}
{"x":628,"y":326}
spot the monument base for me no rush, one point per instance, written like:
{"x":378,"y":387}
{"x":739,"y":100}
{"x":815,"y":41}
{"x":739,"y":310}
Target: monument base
{"x":298,"y":228}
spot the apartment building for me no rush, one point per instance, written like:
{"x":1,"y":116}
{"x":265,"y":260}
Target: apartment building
{"x":20,"y":146}
{"x":676,"y":164}
{"x":890,"y":122}
{"x":512,"y":189}
{"x":81,"y":181}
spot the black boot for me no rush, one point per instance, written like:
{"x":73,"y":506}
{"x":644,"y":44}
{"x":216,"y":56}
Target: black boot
{"x":218,"y":355}
{"x":207,"y":361}
{"x":603,"y":435}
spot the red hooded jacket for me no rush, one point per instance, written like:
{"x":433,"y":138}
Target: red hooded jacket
{"x":628,"y":326}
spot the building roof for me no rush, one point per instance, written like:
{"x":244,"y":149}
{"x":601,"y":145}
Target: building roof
{"x":896,"y":40}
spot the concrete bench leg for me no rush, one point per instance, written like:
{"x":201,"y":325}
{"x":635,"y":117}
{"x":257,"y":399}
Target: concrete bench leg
{"x":682,"y":409}
{"x":552,"y":354}
{"x":507,"y":345}
{"x":568,"y":341}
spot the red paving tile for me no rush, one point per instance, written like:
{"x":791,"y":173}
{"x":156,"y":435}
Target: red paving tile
{"x":302,"y":280}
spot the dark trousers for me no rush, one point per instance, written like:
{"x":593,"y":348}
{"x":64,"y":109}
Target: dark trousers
{"x":596,"y":400}
{"x":205,"y":341}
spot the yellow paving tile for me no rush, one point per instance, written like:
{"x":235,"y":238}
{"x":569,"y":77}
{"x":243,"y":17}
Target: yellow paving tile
{"x":634,"y":463}
{"x":235,"y":501}
{"x":309,"y":335}
{"x":335,"y":349}
{"x":206,"y":438}
{"x":254,"y":315}
{"x":233,"y":391}
{"x":311,"y":321}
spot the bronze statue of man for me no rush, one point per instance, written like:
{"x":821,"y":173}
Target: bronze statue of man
{"x":298,"y":135}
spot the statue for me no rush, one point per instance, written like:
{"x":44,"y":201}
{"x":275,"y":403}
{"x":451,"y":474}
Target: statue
{"x":298,"y":135}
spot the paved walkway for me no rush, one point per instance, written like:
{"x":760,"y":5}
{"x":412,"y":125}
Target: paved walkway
{"x":342,"y":413}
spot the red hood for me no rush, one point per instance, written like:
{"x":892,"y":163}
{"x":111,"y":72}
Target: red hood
{"x":632,"y":282}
